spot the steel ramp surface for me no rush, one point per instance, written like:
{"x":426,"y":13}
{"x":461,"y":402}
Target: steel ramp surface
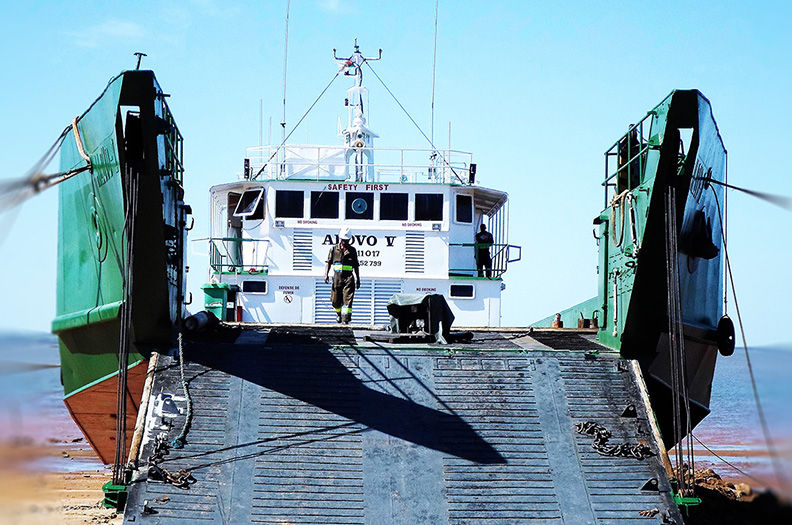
{"x":299,"y":426}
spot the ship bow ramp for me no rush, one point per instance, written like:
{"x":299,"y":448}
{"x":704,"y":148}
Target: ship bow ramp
{"x":315,"y":425}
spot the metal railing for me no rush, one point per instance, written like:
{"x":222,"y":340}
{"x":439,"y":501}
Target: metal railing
{"x":237,"y":254}
{"x":629,"y":154}
{"x":392,"y":165}
{"x":500,"y":255}
{"x":173,"y":144}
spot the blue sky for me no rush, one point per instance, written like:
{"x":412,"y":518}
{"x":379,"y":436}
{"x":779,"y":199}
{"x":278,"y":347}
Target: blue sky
{"x":536,"y":90}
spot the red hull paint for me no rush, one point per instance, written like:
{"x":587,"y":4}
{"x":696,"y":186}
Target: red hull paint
{"x":94,"y":410}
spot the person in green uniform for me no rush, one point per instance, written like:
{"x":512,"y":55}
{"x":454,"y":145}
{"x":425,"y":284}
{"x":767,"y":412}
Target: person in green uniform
{"x":343,"y":260}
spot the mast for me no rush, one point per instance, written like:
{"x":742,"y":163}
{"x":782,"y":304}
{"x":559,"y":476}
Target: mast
{"x":358,"y":137}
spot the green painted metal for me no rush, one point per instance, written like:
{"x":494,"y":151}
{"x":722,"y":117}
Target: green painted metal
{"x":676,"y":149}
{"x":90,"y":248}
{"x":631,"y":264}
{"x":129,"y":136}
{"x":586,"y":310}
{"x":115,"y":496}
{"x":100,"y":380}
{"x":97,"y":314}
{"x":216,"y":298}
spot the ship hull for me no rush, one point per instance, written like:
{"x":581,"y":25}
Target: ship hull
{"x":120,"y":285}
{"x":94,"y":409}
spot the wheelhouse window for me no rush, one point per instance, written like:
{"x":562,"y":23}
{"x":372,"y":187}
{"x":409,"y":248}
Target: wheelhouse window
{"x":324,"y":205}
{"x":289,"y":203}
{"x":428,"y":206}
{"x":464,"y":208}
{"x":251,"y":205}
{"x":393,"y":206}
{"x":254,"y":286}
{"x":462,"y":291}
{"x":359,"y":205}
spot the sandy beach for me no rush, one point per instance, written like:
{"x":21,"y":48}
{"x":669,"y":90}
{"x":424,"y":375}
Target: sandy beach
{"x":45,"y":483}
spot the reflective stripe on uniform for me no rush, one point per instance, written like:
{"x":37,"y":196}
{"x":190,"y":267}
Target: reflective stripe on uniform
{"x":346,"y":310}
{"x":338,"y":267}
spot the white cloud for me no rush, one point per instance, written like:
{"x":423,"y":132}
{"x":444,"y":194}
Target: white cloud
{"x":111,"y":30}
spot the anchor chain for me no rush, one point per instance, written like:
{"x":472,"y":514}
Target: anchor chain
{"x":157,"y":473}
{"x":602,"y":435}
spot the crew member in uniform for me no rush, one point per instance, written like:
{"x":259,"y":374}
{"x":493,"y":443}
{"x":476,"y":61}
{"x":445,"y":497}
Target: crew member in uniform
{"x":483,"y":260}
{"x":343,"y":260}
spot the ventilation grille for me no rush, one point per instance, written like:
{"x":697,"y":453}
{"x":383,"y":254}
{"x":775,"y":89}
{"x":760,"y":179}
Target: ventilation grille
{"x":369,"y":307}
{"x":302,"y":250}
{"x":414,"y":253}
{"x":323,"y":310}
{"x":383,"y":290}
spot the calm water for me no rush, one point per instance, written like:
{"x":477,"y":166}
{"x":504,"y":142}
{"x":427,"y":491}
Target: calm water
{"x":31,"y":403}
{"x":31,"y":400}
{"x":733,"y":428}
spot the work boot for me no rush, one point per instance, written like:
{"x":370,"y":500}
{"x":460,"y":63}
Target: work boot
{"x":347,"y":318}
{"x":338,"y":318}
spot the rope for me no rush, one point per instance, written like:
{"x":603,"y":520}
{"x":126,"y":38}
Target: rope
{"x":781,"y":201}
{"x":777,"y":467}
{"x":434,"y":149}
{"x":283,"y":142}
{"x":15,"y":192}
{"x":78,"y":140}
{"x":181,"y":439}
{"x":618,"y":201}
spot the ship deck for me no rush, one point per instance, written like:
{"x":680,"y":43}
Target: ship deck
{"x":317,"y":425}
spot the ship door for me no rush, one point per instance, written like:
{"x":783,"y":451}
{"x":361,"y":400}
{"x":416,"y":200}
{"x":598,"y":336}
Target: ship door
{"x":461,"y":253}
{"x":233,"y":241}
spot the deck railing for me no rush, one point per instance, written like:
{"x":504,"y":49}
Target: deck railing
{"x":237,"y":254}
{"x":377,"y":165}
{"x":629,"y":156}
{"x":500,"y":254}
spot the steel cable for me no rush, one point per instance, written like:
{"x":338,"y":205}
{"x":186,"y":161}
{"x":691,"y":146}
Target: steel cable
{"x":775,"y":459}
{"x":283,"y":142}
{"x":434,"y":149}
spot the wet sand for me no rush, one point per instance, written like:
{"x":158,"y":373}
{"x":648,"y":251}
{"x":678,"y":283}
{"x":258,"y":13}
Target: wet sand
{"x":46,"y":483}
{"x":49,"y":482}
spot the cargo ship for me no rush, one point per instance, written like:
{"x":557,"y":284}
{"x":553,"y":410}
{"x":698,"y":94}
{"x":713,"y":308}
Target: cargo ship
{"x":413,"y":216}
{"x":263,"y":408}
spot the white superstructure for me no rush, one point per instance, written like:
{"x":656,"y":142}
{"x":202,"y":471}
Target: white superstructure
{"x":413,"y":215}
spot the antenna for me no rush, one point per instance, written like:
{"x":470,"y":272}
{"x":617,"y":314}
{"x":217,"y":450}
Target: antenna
{"x":140,"y":57}
{"x":353,"y":65}
{"x":285,"y":55}
{"x":434,"y":67}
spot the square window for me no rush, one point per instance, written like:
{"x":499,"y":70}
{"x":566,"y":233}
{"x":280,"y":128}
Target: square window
{"x":428,"y":206}
{"x":359,"y":205}
{"x":464,"y":208}
{"x":393,"y":206}
{"x":324,"y":205}
{"x":289,"y":203}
